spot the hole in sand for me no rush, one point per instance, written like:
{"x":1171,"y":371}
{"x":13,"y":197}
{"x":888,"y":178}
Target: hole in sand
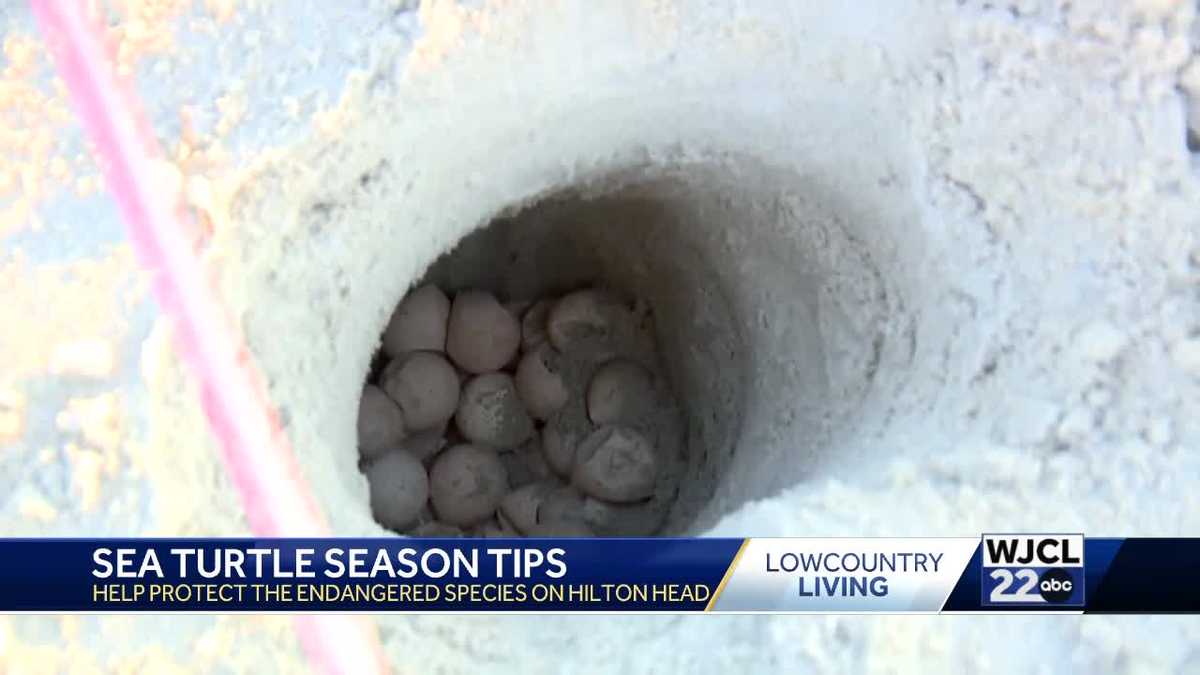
{"x":766,"y":312}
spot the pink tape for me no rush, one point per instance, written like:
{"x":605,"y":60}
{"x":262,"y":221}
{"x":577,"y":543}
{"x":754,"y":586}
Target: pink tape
{"x":255,"y":451}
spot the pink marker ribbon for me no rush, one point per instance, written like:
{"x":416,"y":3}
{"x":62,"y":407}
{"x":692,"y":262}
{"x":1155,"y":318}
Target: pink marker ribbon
{"x":255,"y":451}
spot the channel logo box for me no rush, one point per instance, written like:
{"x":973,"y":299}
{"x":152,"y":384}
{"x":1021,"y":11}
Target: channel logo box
{"x":1032,"y":570}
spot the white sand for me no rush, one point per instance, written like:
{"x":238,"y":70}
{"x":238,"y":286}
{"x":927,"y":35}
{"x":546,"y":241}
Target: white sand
{"x":924,"y":269}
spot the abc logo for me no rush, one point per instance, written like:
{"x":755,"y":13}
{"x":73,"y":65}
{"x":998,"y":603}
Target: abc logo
{"x":1055,"y":585}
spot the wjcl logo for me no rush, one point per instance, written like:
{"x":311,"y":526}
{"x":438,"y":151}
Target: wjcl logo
{"x":1032,"y":569}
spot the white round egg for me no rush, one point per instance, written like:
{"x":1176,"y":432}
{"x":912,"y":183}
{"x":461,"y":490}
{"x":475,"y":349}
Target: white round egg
{"x":482,"y":336}
{"x":490,"y":412}
{"x":620,"y":390}
{"x":616,"y":464}
{"x":520,"y":507}
{"x":419,"y":322}
{"x":540,"y":383}
{"x":504,"y":523}
{"x":425,"y":386}
{"x":380,"y":423}
{"x":585,"y":322}
{"x":466,"y":484}
{"x":399,"y":487}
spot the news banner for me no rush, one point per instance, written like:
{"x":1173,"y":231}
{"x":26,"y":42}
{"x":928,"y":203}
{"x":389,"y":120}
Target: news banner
{"x":1063,"y":573}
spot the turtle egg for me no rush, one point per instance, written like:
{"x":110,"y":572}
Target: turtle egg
{"x":616,"y":464}
{"x":399,"y":488}
{"x":466,"y":484}
{"x":503,"y":521}
{"x":425,"y":386}
{"x":419,"y":322}
{"x":520,"y":507}
{"x":490,"y":412}
{"x":620,"y":390}
{"x":539,"y":383}
{"x":380,"y":423}
{"x":482,"y":336}
{"x":584,"y":321}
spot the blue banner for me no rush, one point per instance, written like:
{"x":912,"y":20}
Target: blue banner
{"x":373,"y":575}
{"x":1063,"y":573}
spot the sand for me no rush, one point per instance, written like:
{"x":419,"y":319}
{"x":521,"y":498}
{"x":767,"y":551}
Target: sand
{"x":928,"y":268}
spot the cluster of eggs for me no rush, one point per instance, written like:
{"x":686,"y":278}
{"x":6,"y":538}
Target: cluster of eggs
{"x":512,"y":420}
